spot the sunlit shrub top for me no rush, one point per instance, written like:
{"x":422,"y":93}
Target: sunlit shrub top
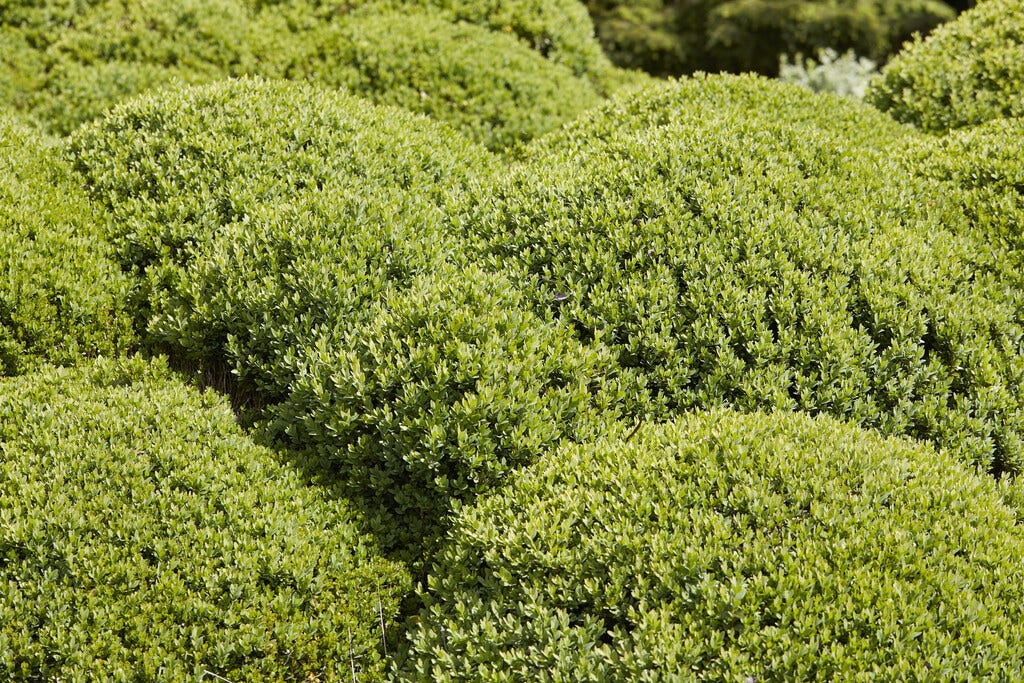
{"x":740,"y":242}
{"x":969,"y":71}
{"x":62,"y":297}
{"x":728,"y":547}
{"x":144,"y":537}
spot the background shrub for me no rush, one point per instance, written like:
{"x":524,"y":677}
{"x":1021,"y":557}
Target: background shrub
{"x":970,"y":71}
{"x":486,"y":83}
{"x":144,"y":538}
{"x":490,"y":79}
{"x":728,"y":547}
{"x":738,"y":242}
{"x":61,"y":295}
{"x":670,"y":38}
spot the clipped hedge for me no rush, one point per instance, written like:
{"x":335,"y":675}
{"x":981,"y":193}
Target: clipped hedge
{"x":62,"y":298}
{"x":671,"y":38}
{"x":982,"y":167}
{"x":728,"y":547}
{"x":88,"y":56}
{"x":301,"y":241}
{"x":143,"y":537}
{"x":739,"y":242}
{"x":487,"y":84}
{"x":173,"y":168}
{"x":969,"y":71}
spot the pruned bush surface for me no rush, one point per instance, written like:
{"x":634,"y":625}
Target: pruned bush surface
{"x":302,"y":242}
{"x":671,"y":38}
{"x":143,"y":537}
{"x":969,"y":71}
{"x":740,"y":242}
{"x":174,"y":168}
{"x":727,"y":547}
{"x":510,"y":74}
{"x":62,"y":298}
{"x":486,"y":83}
{"x":982,"y":169}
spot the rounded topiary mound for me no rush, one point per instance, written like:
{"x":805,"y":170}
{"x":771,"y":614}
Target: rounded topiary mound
{"x":727,"y":547}
{"x":173,"y":168}
{"x":317,"y":265}
{"x":739,"y":242}
{"x":145,"y":538}
{"x":982,"y":167}
{"x":62,"y":298}
{"x":487,"y":84}
{"x":106,"y":51}
{"x":969,"y":71}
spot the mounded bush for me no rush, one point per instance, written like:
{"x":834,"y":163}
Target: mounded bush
{"x":739,"y":242}
{"x":62,"y":297}
{"x":316,"y":263}
{"x":143,"y":537}
{"x":983,"y":168}
{"x":102,"y":52}
{"x":486,"y":83}
{"x":670,"y":38}
{"x":728,"y":547}
{"x":173,"y":168}
{"x":969,"y":71}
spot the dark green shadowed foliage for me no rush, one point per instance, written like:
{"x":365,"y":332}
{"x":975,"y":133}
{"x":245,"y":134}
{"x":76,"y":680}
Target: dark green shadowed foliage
{"x":143,"y":537}
{"x":969,"y":71}
{"x":62,"y":298}
{"x":738,"y":242}
{"x":683,"y":36}
{"x":730,"y":548}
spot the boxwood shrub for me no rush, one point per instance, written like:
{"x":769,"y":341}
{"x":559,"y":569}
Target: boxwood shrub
{"x":302,"y":242}
{"x":62,"y":297}
{"x":486,"y":83}
{"x":969,"y":71}
{"x":736,"y":241}
{"x":144,"y":538}
{"x":173,"y":168}
{"x":730,"y":547}
{"x":983,"y":168}
{"x":101,"y":52}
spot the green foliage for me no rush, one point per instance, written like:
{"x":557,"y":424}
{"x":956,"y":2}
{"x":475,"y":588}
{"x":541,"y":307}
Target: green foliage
{"x":669,"y":38}
{"x":144,"y":538}
{"x":488,"y":84}
{"x":444,"y":390}
{"x":739,"y":242}
{"x":728,"y":547}
{"x":300,"y":240}
{"x":560,"y":30}
{"x":981,"y":168}
{"x":969,"y":71}
{"x":61,"y":296}
{"x":174,"y":168}
{"x":105,"y":51}
{"x":846,"y":75}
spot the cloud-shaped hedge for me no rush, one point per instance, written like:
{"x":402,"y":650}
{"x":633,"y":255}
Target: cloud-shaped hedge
{"x":304,"y":242}
{"x":730,"y":547}
{"x":144,"y":537}
{"x":738,"y":242}
{"x":969,"y":71}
